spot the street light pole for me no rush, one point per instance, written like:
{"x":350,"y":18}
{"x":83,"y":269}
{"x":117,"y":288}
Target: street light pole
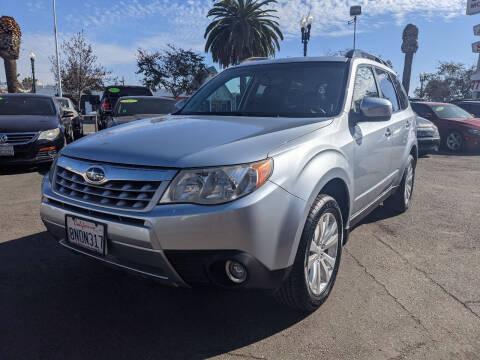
{"x":32,"y":60}
{"x":355,"y":11}
{"x":59,"y":78}
{"x":306,"y":27}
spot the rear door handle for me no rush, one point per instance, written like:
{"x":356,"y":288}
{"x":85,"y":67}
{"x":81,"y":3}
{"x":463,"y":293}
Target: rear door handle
{"x":409,"y":123}
{"x":388,"y":133}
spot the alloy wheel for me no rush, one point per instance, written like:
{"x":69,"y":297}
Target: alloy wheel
{"x":321,"y":257}
{"x":454,"y":141}
{"x":409,"y":183}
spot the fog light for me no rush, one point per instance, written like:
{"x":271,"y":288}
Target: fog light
{"x":236,"y":271}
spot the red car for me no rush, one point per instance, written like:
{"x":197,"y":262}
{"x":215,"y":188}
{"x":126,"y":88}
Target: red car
{"x":459,"y":130}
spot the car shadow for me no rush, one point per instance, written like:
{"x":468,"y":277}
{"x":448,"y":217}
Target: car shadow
{"x":58,"y":305}
{"x":24,"y":169}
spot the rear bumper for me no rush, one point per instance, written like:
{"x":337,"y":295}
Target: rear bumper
{"x":186,"y":245}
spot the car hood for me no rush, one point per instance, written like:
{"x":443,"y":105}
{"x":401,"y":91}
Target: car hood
{"x":473,"y":123}
{"x":27,"y":123}
{"x":192,"y":141}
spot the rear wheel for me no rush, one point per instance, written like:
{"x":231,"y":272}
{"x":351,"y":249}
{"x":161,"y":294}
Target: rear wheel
{"x":454,"y":141}
{"x":318,"y":258}
{"x":400,"y":200}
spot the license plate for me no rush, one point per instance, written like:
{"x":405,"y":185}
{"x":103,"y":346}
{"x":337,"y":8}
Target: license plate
{"x":6,"y":150}
{"x":86,"y":234}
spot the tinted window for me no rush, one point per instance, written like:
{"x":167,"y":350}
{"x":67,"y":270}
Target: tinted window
{"x":402,"y":95}
{"x":450,"y":111}
{"x":127,"y":91}
{"x":26,"y":105}
{"x":127,"y":107}
{"x":280,"y":90}
{"x":365,"y":85}
{"x":387,"y":88}
{"x":421,"y":110}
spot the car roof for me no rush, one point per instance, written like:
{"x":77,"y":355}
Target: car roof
{"x":126,"y":86}
{"x":26,"y":95}
{"x":316,"y":59}
{"x":296,"y":60}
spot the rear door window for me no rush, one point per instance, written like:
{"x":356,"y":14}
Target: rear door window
{"x":402,"y":94}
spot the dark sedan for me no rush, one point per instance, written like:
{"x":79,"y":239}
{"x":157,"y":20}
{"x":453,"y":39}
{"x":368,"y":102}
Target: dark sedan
{"x":131,"y":108}
{"x":428,"y":136}
{"x":30,"y":129}
{"x":459,"y":130}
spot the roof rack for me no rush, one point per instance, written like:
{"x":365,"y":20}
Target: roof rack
{"x":351,"y":54}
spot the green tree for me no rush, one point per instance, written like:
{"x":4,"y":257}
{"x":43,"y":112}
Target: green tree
{"x":176,"y":70}
{"x":79,"y":68}
{"x":241,"y":29}
{"x":450,"y":82}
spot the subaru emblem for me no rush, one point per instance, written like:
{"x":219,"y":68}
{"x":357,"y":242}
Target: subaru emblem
{"x":3,"y":138}
{"x":95,"y":175}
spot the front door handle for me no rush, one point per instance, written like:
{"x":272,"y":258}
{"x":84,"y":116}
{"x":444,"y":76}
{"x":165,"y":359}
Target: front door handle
{"x":388,"y":133}
{"x":409,"y":123}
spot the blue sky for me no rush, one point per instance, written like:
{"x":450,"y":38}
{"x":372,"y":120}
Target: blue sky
{"x":116,"y":28}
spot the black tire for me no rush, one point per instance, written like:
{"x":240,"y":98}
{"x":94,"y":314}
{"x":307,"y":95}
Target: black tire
{"x":454,"y":141}
{"x":398,"y":202}
{"x":295,"y":291}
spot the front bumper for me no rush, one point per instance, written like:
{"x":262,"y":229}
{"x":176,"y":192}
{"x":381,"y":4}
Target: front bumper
{"x":187,"y":244}
{"x":36,"y":152}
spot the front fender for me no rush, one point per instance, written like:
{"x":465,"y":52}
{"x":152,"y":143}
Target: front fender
{"x":313,"y":173}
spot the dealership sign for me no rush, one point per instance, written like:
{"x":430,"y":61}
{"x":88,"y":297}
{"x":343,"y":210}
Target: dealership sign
{"x":476,"y":47}
{"x":473,"y":7}
{"x":475,"y":79}
{"x":476,"y":30}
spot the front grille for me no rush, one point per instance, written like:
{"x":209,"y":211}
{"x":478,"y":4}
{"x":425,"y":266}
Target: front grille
{"x":120,"y":194}
{"x":19,"y":138}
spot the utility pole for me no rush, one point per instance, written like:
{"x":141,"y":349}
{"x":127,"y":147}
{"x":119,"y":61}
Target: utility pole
{"x":59,"y":78}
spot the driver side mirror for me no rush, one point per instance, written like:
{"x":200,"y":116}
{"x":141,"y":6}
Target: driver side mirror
{"x":428,"y":115}
{"x":376,"y":109}
{"x":180,"y":104}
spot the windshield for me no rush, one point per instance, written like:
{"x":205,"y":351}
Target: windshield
{"x":127,"y":91}
{"x":297,"y":90}
{"x":126,"y":107}
{"x":451,"y":111}
{"x":26,"y":105}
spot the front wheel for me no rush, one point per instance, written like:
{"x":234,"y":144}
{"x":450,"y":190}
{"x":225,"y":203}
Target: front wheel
{"x":400,"y":200}
{"x":318,"y":258}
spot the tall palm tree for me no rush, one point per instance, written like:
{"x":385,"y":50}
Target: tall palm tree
{"x":241,"y":29}
{"x":10,"y":36}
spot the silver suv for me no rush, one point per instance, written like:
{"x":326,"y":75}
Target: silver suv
{"x":253,"y":184}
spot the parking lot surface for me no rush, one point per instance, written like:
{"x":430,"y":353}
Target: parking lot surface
{"x":408,"y":288}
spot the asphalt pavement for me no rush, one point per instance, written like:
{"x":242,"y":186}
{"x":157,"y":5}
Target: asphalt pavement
{"x":408,"y":288}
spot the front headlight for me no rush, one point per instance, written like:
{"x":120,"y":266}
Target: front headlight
{"x":217,"y":185}
{"x":49,"y":134}
{"x":474,"y":131}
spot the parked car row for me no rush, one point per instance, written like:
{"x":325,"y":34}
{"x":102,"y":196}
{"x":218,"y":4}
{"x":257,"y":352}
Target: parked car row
{"x":459,"y":130}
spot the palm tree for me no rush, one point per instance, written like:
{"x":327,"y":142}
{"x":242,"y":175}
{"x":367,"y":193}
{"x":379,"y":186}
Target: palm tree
{"x":241,"y":29}
{"x":10,"y":36}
